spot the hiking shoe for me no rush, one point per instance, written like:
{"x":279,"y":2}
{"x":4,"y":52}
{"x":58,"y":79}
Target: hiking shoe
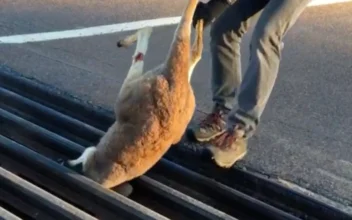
{"x":229,"y":147}
{"x":213,"y":125}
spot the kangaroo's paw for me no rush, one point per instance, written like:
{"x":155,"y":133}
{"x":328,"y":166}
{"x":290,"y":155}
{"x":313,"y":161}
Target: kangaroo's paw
{"x":127,"y":41}
{"x":131,"y":39}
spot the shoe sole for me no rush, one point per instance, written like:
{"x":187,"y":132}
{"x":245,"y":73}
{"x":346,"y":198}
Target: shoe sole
{"x":218,"y":157}
{"x":208,"y":138}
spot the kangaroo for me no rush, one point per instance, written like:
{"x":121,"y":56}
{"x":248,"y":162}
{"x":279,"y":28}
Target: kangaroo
{"x":152,"y":110}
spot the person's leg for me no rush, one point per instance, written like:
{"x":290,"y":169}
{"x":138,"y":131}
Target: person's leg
{"x":226,"y":34}
{"x":276,"y":19}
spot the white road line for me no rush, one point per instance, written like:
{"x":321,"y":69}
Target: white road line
{"x":86,"y":32}
{"x":113,"y":28}
{"x":326,"y":2}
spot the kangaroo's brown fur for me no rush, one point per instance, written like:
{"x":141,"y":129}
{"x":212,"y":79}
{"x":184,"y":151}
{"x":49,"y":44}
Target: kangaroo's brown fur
{"x":152,"y":110}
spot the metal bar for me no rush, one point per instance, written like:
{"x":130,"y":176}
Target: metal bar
{"x":45,"y":182}
{"x":40,"y":112}
{"x":216,"y":189}
{"x":51,"y":97}
{"x":22,"y":208}
{"x":80,"y":183}
{"x":192,"y":205}
{"x":47,"y":201}
{"x":254,"y":184}
{"x":50,"y":138}
{"x":6,"y":215}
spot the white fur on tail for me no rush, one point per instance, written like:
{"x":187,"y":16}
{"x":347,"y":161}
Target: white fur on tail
{"x":87,"y":153}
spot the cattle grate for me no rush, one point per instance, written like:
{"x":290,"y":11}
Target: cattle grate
{"x":40,"y":125}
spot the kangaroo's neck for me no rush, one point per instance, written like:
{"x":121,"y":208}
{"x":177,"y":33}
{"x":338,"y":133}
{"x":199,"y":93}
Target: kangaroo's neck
{"x":177,"y":61}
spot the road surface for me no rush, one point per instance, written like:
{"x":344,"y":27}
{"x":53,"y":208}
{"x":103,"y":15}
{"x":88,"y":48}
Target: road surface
{"x":305,"y":134}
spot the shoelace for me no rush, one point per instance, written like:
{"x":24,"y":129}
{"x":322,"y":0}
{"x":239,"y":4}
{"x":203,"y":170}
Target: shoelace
{"x":225,"y":140}
{"x":212,"y":119}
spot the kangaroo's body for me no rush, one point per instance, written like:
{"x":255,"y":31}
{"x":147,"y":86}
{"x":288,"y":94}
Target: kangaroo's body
{"x":152,"y":110}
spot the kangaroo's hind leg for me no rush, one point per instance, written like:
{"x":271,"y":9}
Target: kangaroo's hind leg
{"x":142,"y":37}
{"x":197,"y":48}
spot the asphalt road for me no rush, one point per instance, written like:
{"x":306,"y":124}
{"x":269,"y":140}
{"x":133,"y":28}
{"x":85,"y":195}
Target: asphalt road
{"x":305,"y":134}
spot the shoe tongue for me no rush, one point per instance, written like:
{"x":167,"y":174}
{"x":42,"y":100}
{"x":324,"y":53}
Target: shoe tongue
{"x":220,"y":109}
{"x":239,"y":131}
{"x":223,"y":112}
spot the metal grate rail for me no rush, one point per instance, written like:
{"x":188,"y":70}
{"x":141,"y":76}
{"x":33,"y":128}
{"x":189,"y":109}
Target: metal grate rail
{"x":39,"y":125}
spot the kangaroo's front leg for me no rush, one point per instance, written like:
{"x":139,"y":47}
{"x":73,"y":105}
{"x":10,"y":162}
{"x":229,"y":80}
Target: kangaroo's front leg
{"x":197,"y":48}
